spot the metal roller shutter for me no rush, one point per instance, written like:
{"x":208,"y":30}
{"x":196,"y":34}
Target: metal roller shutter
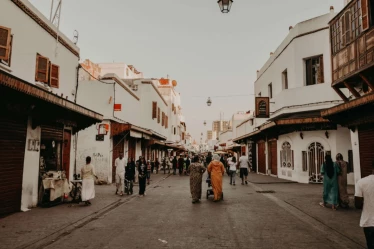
{"x":52,"y":133}
{"x":12,"y":154}
{"x":366,"y":140}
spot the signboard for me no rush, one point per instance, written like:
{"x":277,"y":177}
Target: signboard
{"x":262,"y":107}
{"x":117,"y":107}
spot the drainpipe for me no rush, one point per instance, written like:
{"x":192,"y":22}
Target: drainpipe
{"x":76,"y":134}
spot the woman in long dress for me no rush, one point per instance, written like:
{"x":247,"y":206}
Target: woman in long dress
{"x":342,"y":181}
{"x":216,"y":170}
{"x":330,"y":172}
{"x":88,"y":183}
{"x":196,"y":170}
{"x":142,"y":170}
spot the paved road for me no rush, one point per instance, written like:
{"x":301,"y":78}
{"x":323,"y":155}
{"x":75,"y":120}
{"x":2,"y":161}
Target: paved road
{"x":166,"y":218}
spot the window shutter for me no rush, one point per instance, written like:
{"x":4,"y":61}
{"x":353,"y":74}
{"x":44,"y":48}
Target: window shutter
{"x":347,"y":17}
{"x":321,"y":77}
{"x":158,"y":115}
{"x":365,"y":14}
{"x":163,"y":119}
{"x":41,"y":70}
{"x":5,"y":38}
{"x":54,"y":77}
{"x":166,"y":122}
{"x":342,"y":28}
{"x":154,"y":109}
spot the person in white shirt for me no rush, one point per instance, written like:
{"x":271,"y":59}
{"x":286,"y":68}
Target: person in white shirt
{"x":364,"y":199}
{"x":232,"y":168}
{"x":244,"y":165}
{"x":120,"y":164}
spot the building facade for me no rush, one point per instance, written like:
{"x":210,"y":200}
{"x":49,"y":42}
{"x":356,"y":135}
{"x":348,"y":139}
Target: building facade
{"x":294,"y":85}
{"x":40,"y":119}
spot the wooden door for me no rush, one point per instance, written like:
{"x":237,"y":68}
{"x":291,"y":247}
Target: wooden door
{"x":118,"y":147}
{"x":66,"y":152}
{"x":261,"y":157}
{"x":273,"y":165}
{"x":132,"y":148}
{"x":366,"y":141}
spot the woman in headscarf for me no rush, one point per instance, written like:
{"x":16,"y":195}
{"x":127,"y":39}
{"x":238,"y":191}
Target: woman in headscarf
{"x":88,"y":183}
{"x":196,"y":170}
{"x":142,"y":170}
{"x":342,"y":181}
{"x":330,"y":173}
{"x":216,"y":171}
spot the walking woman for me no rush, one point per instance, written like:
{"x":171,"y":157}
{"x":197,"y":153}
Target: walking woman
{"x":330,"y":173}
{"x":232,"y":168}
{"x":342,"y":181}
{"x":196,"y":174}
{"x":88,"y":184}
{"x":216,"y":171}
{"x":142,"y":174}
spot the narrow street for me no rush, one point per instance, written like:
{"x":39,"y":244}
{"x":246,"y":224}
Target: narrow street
{"x":268,"y":213}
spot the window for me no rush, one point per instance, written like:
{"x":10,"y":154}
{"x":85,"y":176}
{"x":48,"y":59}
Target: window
{"x":175,"y":130}
{"x":163,"y":119}
{"x":305,"y":161}
{"x":166,"y":122}
{"x":154,"y":109}
{"x":158,"y":115}
{"x":286,"y":155}
{"x":350,"y":162}
{"x":42,"y":68}
{"x":54,"y":76}
{"x":270,"y":89}
{"x":5,"y":45}
{"x":285,"y":79}
{"x":314,"y":70}
{"x":251,"y":122}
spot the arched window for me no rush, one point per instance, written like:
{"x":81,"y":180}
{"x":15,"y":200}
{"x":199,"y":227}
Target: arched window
{"x":286,"y":155}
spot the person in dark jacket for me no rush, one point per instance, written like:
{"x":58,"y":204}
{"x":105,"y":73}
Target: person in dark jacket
{"x":157,"y":165}
{"x":180,"y":165}
{"x":142,"y":175}
{"x":130,"y":176}
{"x":188,"y":162}
{"x":175,"y":165}
{"x":208,"y":159}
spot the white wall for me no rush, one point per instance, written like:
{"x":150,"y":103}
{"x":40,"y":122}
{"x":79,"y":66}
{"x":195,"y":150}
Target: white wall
{"x":29,"y":38}
{"x":30,"y":171}
{"x":355,"y":143}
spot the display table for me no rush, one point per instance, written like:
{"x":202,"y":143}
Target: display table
{"x":58,"y":187}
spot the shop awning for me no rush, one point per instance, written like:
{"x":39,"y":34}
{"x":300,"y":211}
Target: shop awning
{"x":118,"y":128}
{"x":368,"y":99}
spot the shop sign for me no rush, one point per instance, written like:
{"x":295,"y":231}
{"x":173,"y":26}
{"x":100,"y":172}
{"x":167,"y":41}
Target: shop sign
{"x":117,"y":107}
{"x":262,"y":107}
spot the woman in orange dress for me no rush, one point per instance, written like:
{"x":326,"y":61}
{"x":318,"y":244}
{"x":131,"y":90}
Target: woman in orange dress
{"x":216,"y":171}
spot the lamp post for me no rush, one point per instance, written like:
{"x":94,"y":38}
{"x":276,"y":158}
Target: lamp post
{"x":225,"y":5}
{"x":209,"y":102}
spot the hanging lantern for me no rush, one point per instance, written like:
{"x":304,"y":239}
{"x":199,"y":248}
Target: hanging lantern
{"x":204,"y":123}
{"x":225,"y":5}
{"x":209,"y":102}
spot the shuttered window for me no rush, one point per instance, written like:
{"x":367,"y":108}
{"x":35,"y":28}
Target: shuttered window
{"x":314,"y":70}
{"x":163,"y":119}
{"x":158,"y":115}
{"x":304,"y":161}
{"x":154,"y":109}
{"x":54,"y":77}
{"x":365,"y":14}
{"x":5,"y":43}
{"x":321,"y":75}
{"x":42,"y":68}
{"x":166,"y":122}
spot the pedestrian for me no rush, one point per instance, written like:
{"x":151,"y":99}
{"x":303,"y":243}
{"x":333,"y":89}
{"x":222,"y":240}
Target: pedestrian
{"x":120,"y":164}
{"x":130,"y":176}
{"x":88,"y":183}
{"x":180,"y":165}
{"x":208,"y":159}
{"x":342,"y":181}
{"x":216,"y":171}
{"x":188,"y":163}
{"x":152,"y":166}
{"x":175,"y":165}
{"x":142,"y":175}
{"x":330,"y":172}
{"x":164,"y":163}
{"x":157,"y":165}
{"x":243,"y":167}
{"x":196,"y":174}
{"x":364,"y":199}
{"x":149,"y":171}
{"x":138,"y":162}
{"x":232,"y":169}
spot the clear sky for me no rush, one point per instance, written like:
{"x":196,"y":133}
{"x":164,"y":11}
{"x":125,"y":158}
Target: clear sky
{"x":208,"y":53}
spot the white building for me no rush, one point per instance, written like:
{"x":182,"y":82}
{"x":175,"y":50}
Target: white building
{"x":293,"y":141}
{"x":38,"y":78}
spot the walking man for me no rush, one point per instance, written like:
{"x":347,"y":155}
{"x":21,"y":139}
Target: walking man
{"x":120,"y":173}
{"x":180,"y":165}
{"x":130,"y":176}
{"x":243,"y":166}
{"x":364,"y":199}
{"x":188,"y":162}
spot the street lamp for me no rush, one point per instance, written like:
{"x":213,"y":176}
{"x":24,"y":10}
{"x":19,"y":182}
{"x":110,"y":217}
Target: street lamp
{"x":225,"y":5}
{"x":209,"y":102}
